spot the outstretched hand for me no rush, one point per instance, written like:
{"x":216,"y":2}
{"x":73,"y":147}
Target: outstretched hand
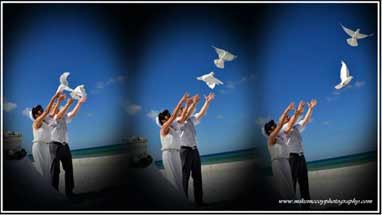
{"x":61,"y":96}
{"x":82,"y":100}
{"x":185,"y":97}
{"x":196,"y":98}
{"x":57,"y":95}
{"x":283,"y":116}
{"x":210,"y":97}
{"x":312,"y":103}
{"x":189,"y":101}
{"x":300,"y":107}
{"x":290,"y":106}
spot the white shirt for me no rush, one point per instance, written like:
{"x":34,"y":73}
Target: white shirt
{"x":295,"y":140}
{"x":43,"y":134}
{"x":60,"y":129}
{"x":279,"y":150}
{"x":188,"y":137}
{"x":172,"y":139}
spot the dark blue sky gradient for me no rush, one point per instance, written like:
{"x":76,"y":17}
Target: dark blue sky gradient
{"x":286,"y":52}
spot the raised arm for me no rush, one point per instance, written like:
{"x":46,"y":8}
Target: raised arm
{"x":165,"y":129}
{"x":38,"y":122}
{"x":293,"y":120}
{"x":190,"y":109}
{"x":75,"y":110}
{"x":56,"y":105}
{"x":308,"y":114}
{"x":205,"y":106}
{"x":282,"y":119}
{"x":183,"y":115}
{"x":63,"y":111}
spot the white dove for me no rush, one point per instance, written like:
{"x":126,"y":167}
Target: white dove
{"x":79,"y":92}
{"x":223,"y":56}
{"x":345,"y":77}
{"x":355,"y":35}
{"x":64,"y":85}
{"x":210,"y":80}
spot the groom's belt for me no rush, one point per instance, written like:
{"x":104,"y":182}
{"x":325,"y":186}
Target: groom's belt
{"x":300,"y":154}
{"x":189,"y":147}
{"x":58,"y":143}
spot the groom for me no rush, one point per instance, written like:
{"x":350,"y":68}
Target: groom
{"x":59,"y":147}
{"x":297,"y":160}
{"x":189,"y":153}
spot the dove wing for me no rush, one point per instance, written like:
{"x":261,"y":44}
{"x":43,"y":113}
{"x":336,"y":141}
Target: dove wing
{"x":83,"y":91}
{"x":228,"y":56}
{"x":220,"y":52}
{"x":361,"y":36}
{"x":79,"y":91}
{"x":75,"y":95}
{"x":208,"y":78}
{"x":344,"y":72}
{"x":348,"y":31}
{"x":215,"y":80}
{"x":211,"y":85}
{"x":64,"y":78}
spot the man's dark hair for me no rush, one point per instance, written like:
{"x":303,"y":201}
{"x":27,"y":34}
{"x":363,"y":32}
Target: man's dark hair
{"x":162,"y":115}
{"x":268,"y":126}
{"x":35,"y":110}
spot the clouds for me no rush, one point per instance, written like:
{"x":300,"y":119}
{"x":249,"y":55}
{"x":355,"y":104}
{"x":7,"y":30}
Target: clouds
{"x":326,"y":123}
{"x":260,"y":121}
{"x":132,"y":109}
{"x":230,"y":85}
{"x":331,"y":98}
{"x":219,"y":116}
{"x":152,"y":114}
{"x":8,"y":106}
{"x":335,"y":94}
{"x":100,"y":85}
{"x":26,"y":111}
{"x":359,"y":84}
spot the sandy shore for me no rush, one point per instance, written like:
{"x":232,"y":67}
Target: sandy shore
{"x":337,"y":183}
{"x":342,"y":183}
{"x":219,"y":180}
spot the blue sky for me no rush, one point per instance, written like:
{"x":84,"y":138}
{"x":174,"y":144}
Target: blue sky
{"x":295,"y":54}
{"x":54,"y":43}
{"x":303,"y":55}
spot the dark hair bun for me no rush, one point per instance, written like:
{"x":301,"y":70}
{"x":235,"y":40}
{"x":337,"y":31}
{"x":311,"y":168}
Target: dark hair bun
{"x":35,"y":110}
{"x":268,"y":126}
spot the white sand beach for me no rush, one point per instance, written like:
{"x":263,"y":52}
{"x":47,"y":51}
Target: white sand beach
{"x":94,"y":173}
{"x":336,"y":183}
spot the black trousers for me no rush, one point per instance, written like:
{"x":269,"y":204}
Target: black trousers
{"x":61,"y":153}
{"x":300,"y":174}
{"x":191,"y":165}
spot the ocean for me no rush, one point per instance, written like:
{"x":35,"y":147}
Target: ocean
{"x":246,"y":154}
{"x":231,"y":156}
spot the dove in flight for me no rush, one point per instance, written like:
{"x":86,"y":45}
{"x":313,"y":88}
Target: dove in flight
{"x":354,"y":36}
{"x":210,"y":80}
{"x":64,"y":85}
{"x":345,"y":76}
{"x":223,"y":56}
{"x":79,"y":92}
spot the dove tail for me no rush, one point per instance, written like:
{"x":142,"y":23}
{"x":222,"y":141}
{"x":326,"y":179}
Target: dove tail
{"x":352,"y":42}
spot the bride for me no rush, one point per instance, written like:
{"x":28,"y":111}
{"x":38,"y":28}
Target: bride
{"x":41,"y":136}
